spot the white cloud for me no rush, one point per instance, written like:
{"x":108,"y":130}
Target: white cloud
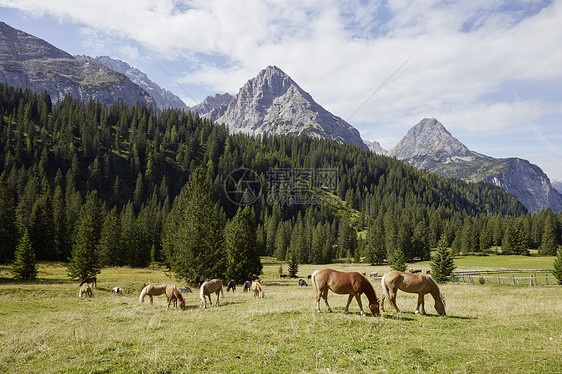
{"x":341,"y":52}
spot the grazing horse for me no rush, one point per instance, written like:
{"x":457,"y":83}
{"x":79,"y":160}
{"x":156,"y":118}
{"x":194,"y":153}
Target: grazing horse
{"x":117,"y":290}
{"x":231,"y":285}
{"x":247,"y":286}
{"x":411,"y":283}
{"x":152,"y":290}
{"x":92,"y":280}
{"x":257,"y":289}
{"x":302,"y":283}
{"x":173,"y":293}
{"x":209,"y":287}
{"x":343,"y":283}
{"x":86,"y":289}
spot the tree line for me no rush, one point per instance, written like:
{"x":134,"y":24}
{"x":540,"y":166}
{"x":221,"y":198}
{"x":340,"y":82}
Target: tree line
{"x":115,"y":180}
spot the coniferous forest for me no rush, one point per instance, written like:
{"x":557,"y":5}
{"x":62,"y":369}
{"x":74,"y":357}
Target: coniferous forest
{"x":130,"y":185}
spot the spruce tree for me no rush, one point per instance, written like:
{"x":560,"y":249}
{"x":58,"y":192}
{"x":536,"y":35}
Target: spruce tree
{"x":293,"y":264}
{"x":398,"y":260}
{"x":193,"y":239}
{"x":84,"y":259}
{"x":241,"y":246}
{"x":549,"y":243}
{"x":558,"y":266}
{"x":8,"y":230}
{"x":442,"y":262}
{"x":24,"y":266}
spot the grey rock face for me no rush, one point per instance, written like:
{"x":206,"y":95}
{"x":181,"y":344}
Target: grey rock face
{"x":273,"y":103}
{"x":29,"y":62}
{"x":375,"y":147}
{"x":529,"y":184}
{"x":213,"y":106}
{"x":163,"y":98}
{"x":428,"y":145}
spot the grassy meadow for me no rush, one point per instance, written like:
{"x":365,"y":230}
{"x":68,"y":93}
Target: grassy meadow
{"x":45,"y":328}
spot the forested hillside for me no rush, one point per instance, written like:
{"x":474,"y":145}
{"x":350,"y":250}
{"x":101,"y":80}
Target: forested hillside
{"x":123,"y":168}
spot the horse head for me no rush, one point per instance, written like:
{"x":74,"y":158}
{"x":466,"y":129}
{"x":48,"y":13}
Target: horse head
{"x":440,"y":306}
{"x":375,"y":309}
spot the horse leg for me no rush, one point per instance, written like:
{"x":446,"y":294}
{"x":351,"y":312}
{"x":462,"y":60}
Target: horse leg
{"x":381,"y":302}
{"x":348,"y":302}
{"x":325,"y":297}
{"x":151,"y":300}
{"x":217,"y":304}
{"x":358,"y":298}
{"x":318,"y":296}
{"x":169,"y":301}
{"x":420,"y":303}
{"x":392,"y":300}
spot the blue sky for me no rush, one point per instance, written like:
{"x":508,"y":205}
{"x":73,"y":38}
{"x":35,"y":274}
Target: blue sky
{"x":489,"y":70}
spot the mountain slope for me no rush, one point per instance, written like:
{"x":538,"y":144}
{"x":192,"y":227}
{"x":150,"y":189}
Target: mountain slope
{"x":29,"y":62}
{"x":163,"y":98}
{"x":428,"y":145}
{"x":273,"y":103}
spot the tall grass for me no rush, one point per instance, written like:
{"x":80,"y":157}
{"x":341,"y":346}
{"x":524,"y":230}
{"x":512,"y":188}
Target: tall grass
{"x":45,"y":328}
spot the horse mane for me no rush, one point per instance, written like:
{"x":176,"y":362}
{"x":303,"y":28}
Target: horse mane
{"x":430,"y":279}
{"x":143,"y":293}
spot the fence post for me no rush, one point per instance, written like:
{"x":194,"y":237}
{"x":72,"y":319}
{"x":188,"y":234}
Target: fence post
{"x":546,"y":278}
{"x":513,"y":276}
{"x":498,"y":279}
{"x":535,"y":276}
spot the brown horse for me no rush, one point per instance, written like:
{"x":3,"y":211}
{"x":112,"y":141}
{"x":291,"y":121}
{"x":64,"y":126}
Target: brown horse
{"x":92,"y":280}
{"x":343,"y":283}
{"x":86,"y":289}
{"x":209,"y":287}
{"x":173,"y":293}
{"x":411,"y":283}
{"x":152,"y":290}
{"x":257,"y":289}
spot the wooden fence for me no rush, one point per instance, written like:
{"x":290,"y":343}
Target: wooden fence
{"x":531,"y":280}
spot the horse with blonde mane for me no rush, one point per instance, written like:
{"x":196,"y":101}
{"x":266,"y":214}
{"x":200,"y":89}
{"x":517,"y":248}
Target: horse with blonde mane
{"x":86,"y":289}
{"x":344,"y":283}
{"x":152,"y":290}
{"x":174,"y":294}
{"x":257,"y":289}
{"x":209,"y":287}
{"x":411,"y":283}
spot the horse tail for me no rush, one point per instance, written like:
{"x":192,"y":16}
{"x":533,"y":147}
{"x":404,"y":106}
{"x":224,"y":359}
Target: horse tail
{"x":313,"y":278}
{"x":143,"y":294}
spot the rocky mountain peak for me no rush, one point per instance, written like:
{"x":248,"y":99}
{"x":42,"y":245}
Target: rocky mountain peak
{"x":273,"y":103}
{"x":163,"y":98}
{"x":16,"y":45}
{"x":430,"y":139}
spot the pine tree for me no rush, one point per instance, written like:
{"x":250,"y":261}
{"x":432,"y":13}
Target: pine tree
{"x":241,"y":246}
{"x":293,"y":264}
{"x":24,"y":266}
{"x":442,"y":262}
{"x":84,"y":259}
{"x":193,"y":241}
{"x":8,"y":230}
{"x":397,"y":260}
{"x":549,"y":243}
{"x":558,"y":266}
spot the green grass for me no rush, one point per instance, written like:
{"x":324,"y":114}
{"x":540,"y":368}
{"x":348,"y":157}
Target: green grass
{"x":45,"y":328}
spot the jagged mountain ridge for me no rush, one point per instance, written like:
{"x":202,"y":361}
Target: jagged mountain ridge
{"x":428,"y":145}
{"x":375,"y":147}
{"x":163,"y":98}
{"x":30,"y":62}
{"x":273,"y":103}
{"x":213,"y":106}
